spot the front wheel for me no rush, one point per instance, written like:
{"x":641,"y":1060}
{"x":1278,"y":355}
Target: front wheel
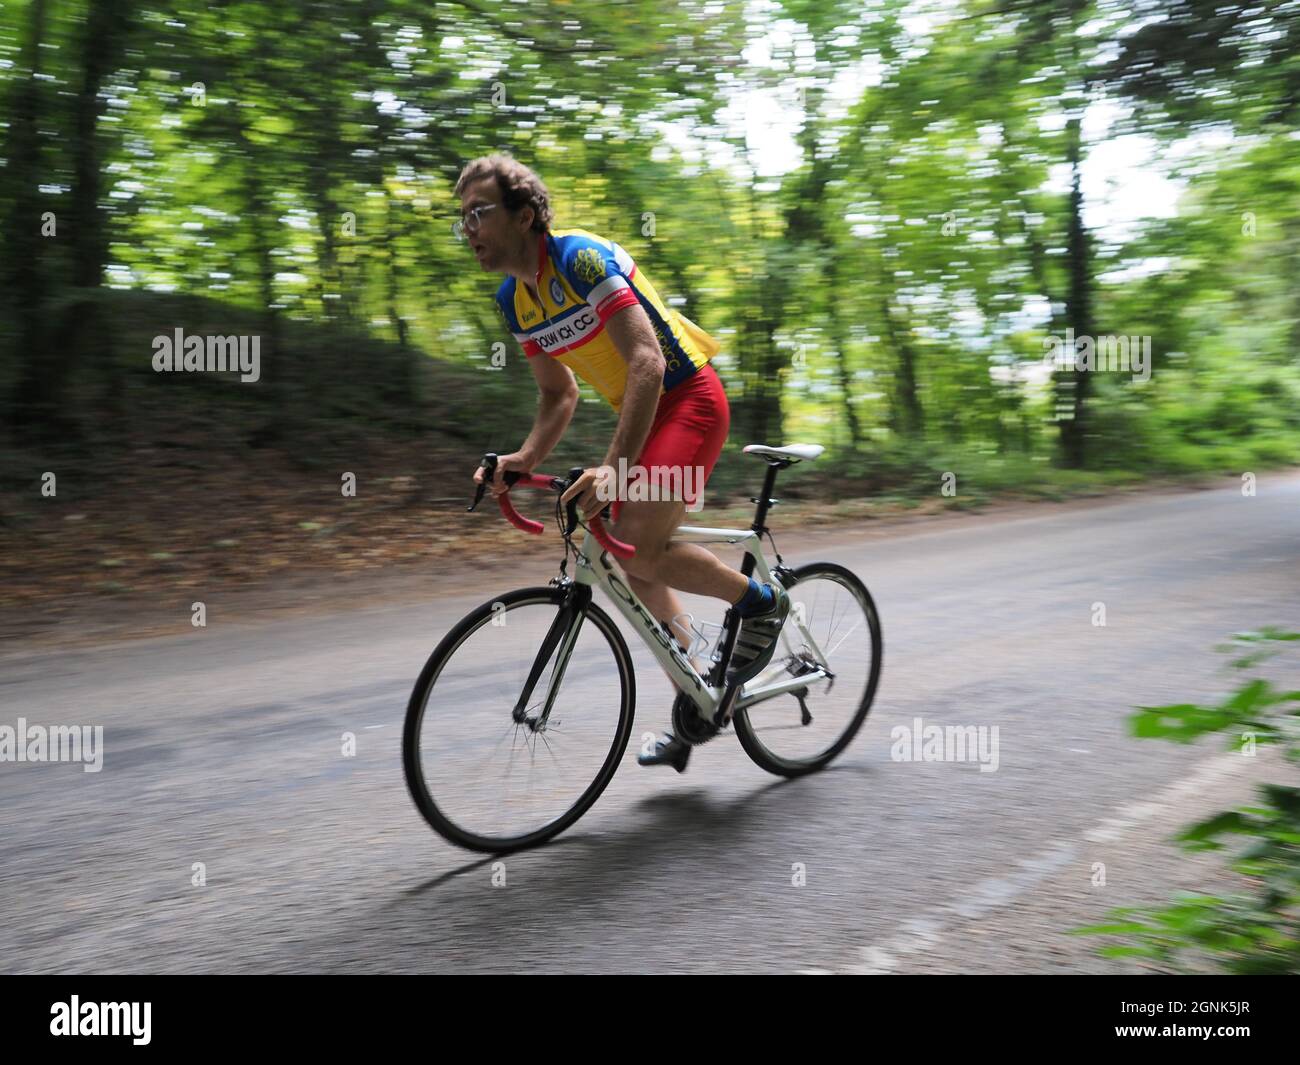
{"x":832,"y":621}
{"x":489,"y":765}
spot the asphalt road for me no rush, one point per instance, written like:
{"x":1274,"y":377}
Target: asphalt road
{"x":222,"y":747}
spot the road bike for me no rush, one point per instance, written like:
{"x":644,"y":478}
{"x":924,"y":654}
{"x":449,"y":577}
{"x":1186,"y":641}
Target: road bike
{"x":524,"y":710}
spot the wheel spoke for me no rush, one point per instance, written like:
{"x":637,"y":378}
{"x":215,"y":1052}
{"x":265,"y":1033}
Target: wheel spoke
{"x":856,"y":625}
{"x":843,"y":629}
{"x":486,"y":787}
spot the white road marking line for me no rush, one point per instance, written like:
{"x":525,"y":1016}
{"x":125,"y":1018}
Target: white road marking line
{"x":918,"y":935}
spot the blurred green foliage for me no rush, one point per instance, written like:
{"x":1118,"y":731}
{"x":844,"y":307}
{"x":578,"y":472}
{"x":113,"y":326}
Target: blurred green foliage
{"x":1257,"y":930}
{"x":880,"y":206}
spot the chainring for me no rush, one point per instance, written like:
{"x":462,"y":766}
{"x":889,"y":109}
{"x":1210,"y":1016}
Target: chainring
{"x":688,"y":724}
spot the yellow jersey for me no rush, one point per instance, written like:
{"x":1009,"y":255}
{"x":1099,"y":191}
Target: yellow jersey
{"x":582,"y":280}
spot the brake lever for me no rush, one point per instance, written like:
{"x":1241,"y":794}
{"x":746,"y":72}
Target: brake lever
{"x":489,"y":468}
{"x":571,"y":508}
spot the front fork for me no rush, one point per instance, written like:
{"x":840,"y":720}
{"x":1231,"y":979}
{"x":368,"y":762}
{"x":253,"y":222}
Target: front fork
{"x":563,"y":634}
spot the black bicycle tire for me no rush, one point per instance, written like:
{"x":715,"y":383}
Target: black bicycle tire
{"x":785,"y":767}
{"x":414,"y":769}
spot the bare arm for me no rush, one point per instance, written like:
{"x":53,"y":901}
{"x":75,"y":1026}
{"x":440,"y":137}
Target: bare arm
{"x":557,"y":399}
{"x":556,"y":402}
{"x":634,"y":337}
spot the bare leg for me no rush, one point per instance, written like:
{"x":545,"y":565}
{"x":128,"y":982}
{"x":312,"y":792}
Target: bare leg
{"x":660,"y":565}
{"x":689,"y":567}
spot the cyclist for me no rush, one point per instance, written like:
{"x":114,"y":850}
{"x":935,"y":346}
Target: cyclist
{"x":576,"y":301}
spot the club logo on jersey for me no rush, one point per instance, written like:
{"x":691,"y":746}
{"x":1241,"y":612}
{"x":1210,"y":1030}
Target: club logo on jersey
{"x":567,"y":334}
{"x":557,"y":292}
{"x":589,"y":265}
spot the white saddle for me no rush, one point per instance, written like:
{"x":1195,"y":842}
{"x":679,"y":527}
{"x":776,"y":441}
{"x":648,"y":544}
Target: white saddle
{"x":791,"y":452}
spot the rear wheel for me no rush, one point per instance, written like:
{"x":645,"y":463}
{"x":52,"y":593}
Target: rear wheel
{"x":790,"y":737}
{"x":486,"y":767}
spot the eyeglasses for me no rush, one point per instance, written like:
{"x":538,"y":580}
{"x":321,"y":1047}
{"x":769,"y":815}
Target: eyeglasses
{"x":470,"y":220}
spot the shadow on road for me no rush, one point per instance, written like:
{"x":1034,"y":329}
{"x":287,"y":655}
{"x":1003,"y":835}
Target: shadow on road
{"x":595,"y":879}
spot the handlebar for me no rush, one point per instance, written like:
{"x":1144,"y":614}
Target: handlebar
{"x":514,"y":479}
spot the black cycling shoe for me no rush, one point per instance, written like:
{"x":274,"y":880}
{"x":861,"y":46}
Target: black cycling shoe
{"x":668,"y":751}
{"x":756,"y":640}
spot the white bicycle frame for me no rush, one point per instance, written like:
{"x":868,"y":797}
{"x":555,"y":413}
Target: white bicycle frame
{"x":595,"y":568}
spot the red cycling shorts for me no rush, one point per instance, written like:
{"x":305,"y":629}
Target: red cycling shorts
{"x":690,"y":427}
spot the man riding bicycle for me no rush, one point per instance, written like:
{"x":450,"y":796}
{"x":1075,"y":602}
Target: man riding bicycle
{"x":578,"y":302}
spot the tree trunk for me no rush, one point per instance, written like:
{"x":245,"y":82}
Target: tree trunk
{"x":405,"y":390}
{"x":840,"y":341}
{"x":36,"y":398}
{"x":89,"y":336}
{"x":765,"y":415}
{"x":275,"y":371}
{"x":909,"y":417}
{"x":1072,"y":386}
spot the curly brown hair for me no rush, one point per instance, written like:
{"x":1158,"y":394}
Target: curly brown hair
{"x":519,"y":186}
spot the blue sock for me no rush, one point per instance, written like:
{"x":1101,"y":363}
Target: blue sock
{"x":758,"y":598}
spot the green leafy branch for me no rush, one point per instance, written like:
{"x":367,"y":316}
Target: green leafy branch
{"x":1255,"y":931}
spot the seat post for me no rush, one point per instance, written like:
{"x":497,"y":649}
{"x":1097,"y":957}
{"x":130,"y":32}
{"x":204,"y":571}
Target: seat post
{"x":765,"y":500}
{"x":727,"y":642}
